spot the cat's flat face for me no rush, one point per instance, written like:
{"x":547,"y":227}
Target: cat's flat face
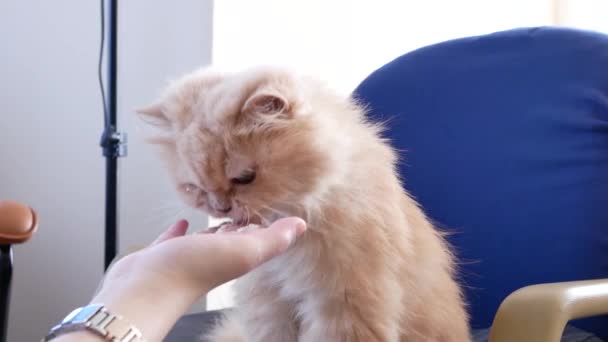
{"x":240,"y":146}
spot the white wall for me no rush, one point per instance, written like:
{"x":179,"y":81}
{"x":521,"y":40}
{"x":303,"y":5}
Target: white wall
{"x":587,"y":14}
{"x":50,"y":122}
{"x":343,"y":41}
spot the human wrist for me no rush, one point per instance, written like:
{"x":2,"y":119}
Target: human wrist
{"x":79,"y":336}
{"x":151,"y":308}
{"x":93,"y":322}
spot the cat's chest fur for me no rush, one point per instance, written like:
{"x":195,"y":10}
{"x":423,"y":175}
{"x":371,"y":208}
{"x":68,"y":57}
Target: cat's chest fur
{"x":320,"y":264}
{"x":295,"y":275}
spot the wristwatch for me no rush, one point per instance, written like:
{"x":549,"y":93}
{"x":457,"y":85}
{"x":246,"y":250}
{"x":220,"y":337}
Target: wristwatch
{"x":98,"y":320}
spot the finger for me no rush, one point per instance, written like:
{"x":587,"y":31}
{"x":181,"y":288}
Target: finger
{"x":179,"y":228}
{"x":275,"y":239}
{"x":232,"y":254}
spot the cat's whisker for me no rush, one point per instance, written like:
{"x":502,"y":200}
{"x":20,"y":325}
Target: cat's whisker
{"x":166,"y":206}
{"x":165,"y":210}
{"x":162,"y":213}
{"x":264,"y":220}
{"x":248,"y":219}
{"x":267,"y":220}
{"x":318,"y":218}
{"x":308,"y":217}
{"x":275,"y":211}
{"x":169,"y":219}
{"x":165,"y":214}
{"x":169,"y":203}
{"x":178,"y":214}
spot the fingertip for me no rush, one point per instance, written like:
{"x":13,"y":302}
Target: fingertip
{"x":179,"y":228}
{"x":182,"y":222}
{"x":292,"y":227}
{"x":293,"y":222}
{"x":301,"y":226}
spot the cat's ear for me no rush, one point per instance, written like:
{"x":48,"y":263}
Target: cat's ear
{"x":154,"y":115}
{"x":266,"y":103}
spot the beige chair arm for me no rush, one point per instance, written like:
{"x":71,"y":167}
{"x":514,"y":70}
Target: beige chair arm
{"x":539,"y":313}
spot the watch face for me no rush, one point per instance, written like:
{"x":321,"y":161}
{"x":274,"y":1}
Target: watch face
{"x":82,"y":315}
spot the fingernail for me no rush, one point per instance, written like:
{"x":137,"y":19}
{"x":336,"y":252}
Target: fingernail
{"x":292,"y":228}
{"x":300,"y":227}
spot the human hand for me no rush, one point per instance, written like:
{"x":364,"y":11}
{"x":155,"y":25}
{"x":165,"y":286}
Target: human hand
{"x":153,"y":287}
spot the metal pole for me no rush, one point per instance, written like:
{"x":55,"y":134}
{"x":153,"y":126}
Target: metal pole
{"x":112,"y":141}
{"x":6,"y":274}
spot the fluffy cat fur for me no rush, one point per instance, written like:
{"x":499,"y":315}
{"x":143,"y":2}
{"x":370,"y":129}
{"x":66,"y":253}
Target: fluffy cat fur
{"x":371,"y":267}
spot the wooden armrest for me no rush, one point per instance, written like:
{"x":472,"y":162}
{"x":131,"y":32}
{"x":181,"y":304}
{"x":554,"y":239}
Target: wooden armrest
{"x":18,"y":222}
{"x":539,"y":313}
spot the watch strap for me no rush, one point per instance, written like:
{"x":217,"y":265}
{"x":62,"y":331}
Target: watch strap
{"x":100,"y":321}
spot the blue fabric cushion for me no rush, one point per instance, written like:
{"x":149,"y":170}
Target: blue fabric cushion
{"x":505,"y":140}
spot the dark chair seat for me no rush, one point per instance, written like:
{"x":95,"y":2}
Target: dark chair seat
{"x":190,"y":328}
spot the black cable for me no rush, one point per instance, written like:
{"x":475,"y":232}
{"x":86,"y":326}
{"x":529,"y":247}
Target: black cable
{"x":100,"y":63}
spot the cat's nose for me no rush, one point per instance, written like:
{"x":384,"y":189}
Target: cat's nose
{"x":224,"y":210}
{"x":220,"y":202}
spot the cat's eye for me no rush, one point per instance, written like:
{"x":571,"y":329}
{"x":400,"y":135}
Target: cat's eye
{"x":245,"y":178}
{"x":188,"y":188}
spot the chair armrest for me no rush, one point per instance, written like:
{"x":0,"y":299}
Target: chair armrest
{"x":539,"y":313}
{"x":18,"y":222}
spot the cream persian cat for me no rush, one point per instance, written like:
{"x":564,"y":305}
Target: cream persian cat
{"x":266,"y":143}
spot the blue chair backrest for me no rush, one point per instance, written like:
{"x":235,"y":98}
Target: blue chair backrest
{"x":505,"y":144}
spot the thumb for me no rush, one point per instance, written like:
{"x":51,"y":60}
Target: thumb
{"x":179,"y":228}
{"x":238,"y":253}
{"x":275,"y":239}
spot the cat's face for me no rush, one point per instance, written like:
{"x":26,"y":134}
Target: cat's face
{"x":240,"y":146}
